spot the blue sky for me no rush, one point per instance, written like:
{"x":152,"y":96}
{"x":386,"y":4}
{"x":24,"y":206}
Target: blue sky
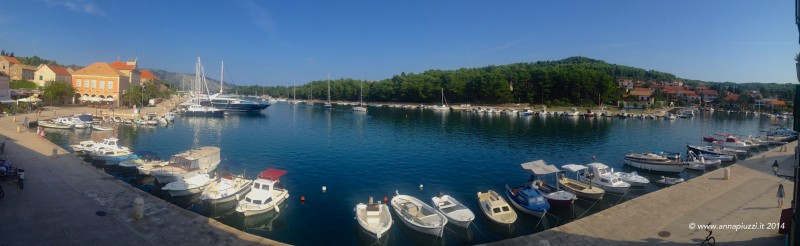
{"x":278,"y":42}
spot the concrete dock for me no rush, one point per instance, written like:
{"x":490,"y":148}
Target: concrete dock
{"x":68,"y":202}
{"x":672,"y":215}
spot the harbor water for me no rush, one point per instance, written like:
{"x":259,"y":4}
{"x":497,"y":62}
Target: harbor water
{"x":415,"y":152}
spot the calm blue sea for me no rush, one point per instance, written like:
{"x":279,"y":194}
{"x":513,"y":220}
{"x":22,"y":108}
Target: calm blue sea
{"x":357,"y":155}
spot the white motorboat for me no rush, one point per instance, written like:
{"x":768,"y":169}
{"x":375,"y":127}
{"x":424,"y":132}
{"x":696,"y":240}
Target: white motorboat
{"x":98,"y":127}
{"x":170,"y":116}
{"x":55,"y":125}
{"x":106,"y":143}
{"x":201,"y":160}
{"x":418,"y":216}
{"x":554,"y":195}
{"x":64,"y":121}
{"x":456,"y":213}
{"x":632,"y":178}
{"x":496,"y":208}
{"x":374,"y":218}
{"x":733,"y":142}
{"x":227,"y":188}
{"x":264,"y":196}
{"x":724,"y":154}
{"x":113,"y":156}
{"x":83,"y":146}
{"x":188,"y":186}
{"x":80,"y":125}
{"x":579,"y":188}
{"x":654,"y":162}
{"x":147,"y":161}
{"x":572,"y":112}
{"x":599,"y":174}
{"x":667,"y":181}
{"x":700,"y":163}
{"x":152,"y":119}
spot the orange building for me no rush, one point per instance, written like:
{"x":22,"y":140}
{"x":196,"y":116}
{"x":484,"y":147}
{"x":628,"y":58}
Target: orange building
{"x":100,"y":82}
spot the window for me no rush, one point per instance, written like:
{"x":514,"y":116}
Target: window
{"x":86,"y":85}
{"x":78,"y":84}
{"x":110,"y":85}
{"x":102,"y":85}
{"x":256,"y":201}
{"x":94,"y":84}
{"x":496,"y":210}
{"x":40,"y":78}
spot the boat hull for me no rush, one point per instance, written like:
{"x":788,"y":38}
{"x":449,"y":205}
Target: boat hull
{"x":186,"y":192}
{"x":216,"y":113}
{"x":514,"y":203}
{"x":230,"y":198}
{"x":278,"y":201}
{"x":651,"y":166}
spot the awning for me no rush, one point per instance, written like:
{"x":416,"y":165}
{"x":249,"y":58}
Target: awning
{"x":109,"y":99}
{"x":94,"y":99}
{"x":539,"y":167}
{"x":84,"y":98}
{"x":272,"y":174}
{"x":573,"y":167}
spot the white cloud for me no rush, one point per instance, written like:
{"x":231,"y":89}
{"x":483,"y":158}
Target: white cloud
{"x":78,"y":6}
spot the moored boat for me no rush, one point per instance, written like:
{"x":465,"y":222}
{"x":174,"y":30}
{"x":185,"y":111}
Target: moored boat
{"x":201,"y":160}
{"x":374,"y":218}
{"x":188,"y":186}
{"x":578,"y":188}
{"x":528,"y":200}
{"x":667,"y":181}
{"x":554,"y":195}
{"x":654,"y":162}
{"x":418,"y":216}
{"x":600,"y":175}
{"x":496,"y":208}
{"x":457,"y":214}
{"x":226,"y":188}
{"x":632,"y":178}
{"x":265,"y":194}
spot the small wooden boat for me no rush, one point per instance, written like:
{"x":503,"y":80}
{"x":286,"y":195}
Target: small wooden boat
{"x":497,"y":209}
{"x":374,"y":218}
{"x":578,"y":188}
{"x":226,"y":189}
{"x":667,"y":181}
{"x":457,"y":214}
{"x":654,"y":162}
{"x":418,"y":216}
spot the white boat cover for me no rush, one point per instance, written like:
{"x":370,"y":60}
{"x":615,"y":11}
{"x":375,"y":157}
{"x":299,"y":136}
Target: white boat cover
{"x":573,"y":167}
{"x":539,"y":167}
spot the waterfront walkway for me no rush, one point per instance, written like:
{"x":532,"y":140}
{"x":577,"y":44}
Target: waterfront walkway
{"x":68,"y":202}
{"x":665,"y":216}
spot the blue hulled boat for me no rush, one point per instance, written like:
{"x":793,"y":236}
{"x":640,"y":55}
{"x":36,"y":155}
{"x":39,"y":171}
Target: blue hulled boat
{"x":528,"y":200}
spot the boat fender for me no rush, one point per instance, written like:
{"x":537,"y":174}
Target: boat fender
{"x":324,"y":189}
{"x":385,"y":199}
{"x":302,"y":198}
{"x":420,"y":186}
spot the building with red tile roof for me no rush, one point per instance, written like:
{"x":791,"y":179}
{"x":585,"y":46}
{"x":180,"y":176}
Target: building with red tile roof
{"x":46,"y":72}
{"x":731,"y":97}
{"x":148,"y":76}
{"x":100,"y":80}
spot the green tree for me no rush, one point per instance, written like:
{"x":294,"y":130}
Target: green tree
{"x":57,"y":92}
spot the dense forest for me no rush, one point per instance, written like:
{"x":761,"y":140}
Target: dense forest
{"x":574,"y":80}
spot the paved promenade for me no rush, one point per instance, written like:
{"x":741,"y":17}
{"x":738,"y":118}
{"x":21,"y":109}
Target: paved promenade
{"x":665,"y":216}
{"x":68,"y":202}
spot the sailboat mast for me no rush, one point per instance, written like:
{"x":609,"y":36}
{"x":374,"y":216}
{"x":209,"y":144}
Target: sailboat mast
{"x":329,"y":88}
{"x":361,"y":97}
{"x":222,"y":79}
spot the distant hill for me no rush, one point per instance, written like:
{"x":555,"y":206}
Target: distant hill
{"x":179,"y":80}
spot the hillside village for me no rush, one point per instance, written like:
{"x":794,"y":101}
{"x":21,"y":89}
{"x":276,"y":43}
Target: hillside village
{"x":645,"y":94}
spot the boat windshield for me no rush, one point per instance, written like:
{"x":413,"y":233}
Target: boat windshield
{"x":496,"y":210}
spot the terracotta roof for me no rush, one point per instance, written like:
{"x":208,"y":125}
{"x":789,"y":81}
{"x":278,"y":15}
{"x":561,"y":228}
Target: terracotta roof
{"x":59,"y":70}
{"x":777,"y":103}
{"x":120,"y":65}
{"x":99,"y":68}
{"x":641,"y":92}
{"x":690,"y":93}
{"x":148,"y":75}
{"x":732,"y":97}
{"x":12,"y":60}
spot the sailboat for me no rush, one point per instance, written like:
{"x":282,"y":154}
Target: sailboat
{"x":360,"y":107}
{"x":310,"y":92}
{"x":328,"y":104}
{"x":443,"y":106}
{"x":193,"y":107}
{"x":234,"y":103}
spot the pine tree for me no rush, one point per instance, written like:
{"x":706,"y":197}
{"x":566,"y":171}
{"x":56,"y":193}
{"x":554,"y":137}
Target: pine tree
{"x":3,"y":53}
